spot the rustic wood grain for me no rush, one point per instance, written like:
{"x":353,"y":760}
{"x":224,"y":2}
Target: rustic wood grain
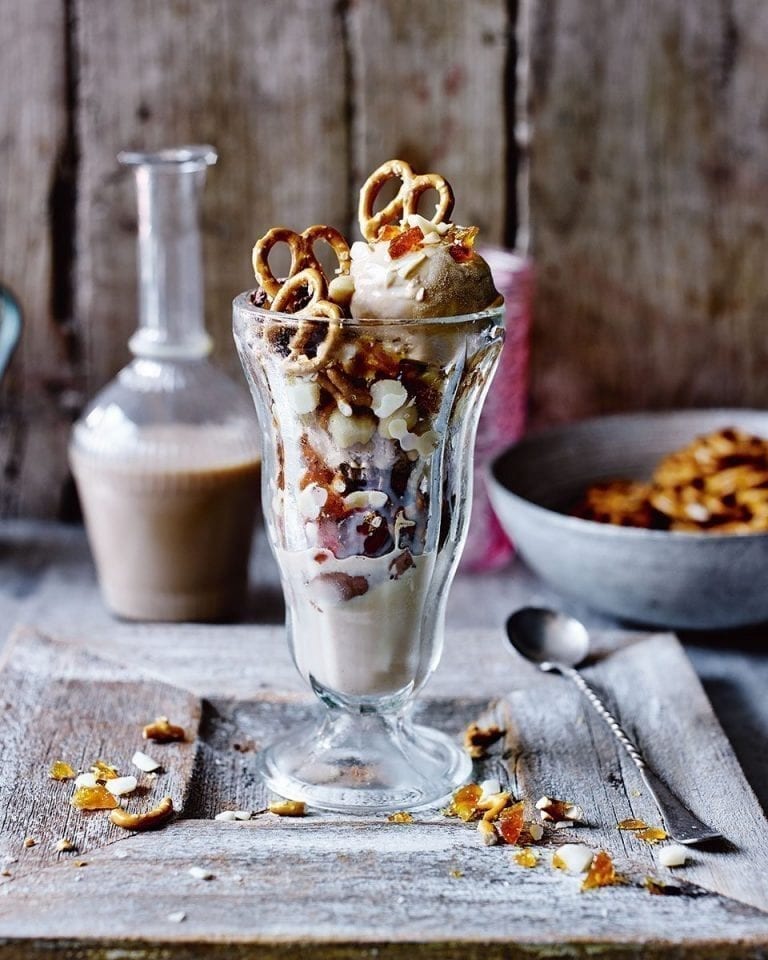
{"x":264,"y":83}
{"x":329,"y":885}
{"x":647,"y":194}
{"x":429,"y":86}
{"x":34,"y":417}
{"x":63,"y":705}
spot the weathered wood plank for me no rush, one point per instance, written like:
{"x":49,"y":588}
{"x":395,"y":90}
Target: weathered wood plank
{"x":429,"y":86}
{"x":34,"y":420}
{"x":648,"y":182}
{"x":353,"y":884}
{"x":264,"y":83}
{"x":427,"y":883}
{"x":60,"y":704}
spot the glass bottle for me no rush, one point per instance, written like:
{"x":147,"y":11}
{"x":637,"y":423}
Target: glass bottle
{"x":166,"y":457}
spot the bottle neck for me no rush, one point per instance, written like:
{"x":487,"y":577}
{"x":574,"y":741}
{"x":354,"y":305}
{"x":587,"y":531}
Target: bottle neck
{"x":171,"y":294}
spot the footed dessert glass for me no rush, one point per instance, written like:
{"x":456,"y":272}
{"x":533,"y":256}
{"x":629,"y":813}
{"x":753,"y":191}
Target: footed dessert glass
{"x":368,"y":429}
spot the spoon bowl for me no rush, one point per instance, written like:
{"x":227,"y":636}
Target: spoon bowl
{"x":548,"y":637}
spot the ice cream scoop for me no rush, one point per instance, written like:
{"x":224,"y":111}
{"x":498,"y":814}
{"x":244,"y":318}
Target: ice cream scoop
{"x":423,"y":270}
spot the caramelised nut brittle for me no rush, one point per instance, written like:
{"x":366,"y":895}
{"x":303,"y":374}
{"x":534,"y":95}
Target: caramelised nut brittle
{"x":718,"y":484}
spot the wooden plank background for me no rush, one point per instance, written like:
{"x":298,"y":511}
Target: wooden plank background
{"x":643,"y":124}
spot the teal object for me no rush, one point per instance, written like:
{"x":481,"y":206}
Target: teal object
{"x":10,"y":328}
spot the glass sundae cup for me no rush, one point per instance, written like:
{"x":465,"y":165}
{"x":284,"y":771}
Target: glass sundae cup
{"x":369,"y":421}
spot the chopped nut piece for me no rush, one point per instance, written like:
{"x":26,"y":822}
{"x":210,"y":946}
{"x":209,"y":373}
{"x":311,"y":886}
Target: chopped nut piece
{"x":86,"y":780}
{"x":288,"y":808}
{"x":488,"y":833}
{"x":163,"y":731}
{"x":559,"y":811}
{"x":488,"y":788}
{"x":401,"y":816}
{"x":632,"y":824}
{"x":30,"y":842}
{"x":93,"y":798}
{"x":64,"y":845}
{"x":674,"y":855}
{"x":144,"y":763}
{"x":511,"y":821}
{"x":477,"y":739}
{"x":242,"y":814}
{"x":104,"y":771}
{"x":652,"y":835}
{"x":178,"y":917}
{"x":200,"y":873}
{"x":532,"y":831}
{"x":79,"y":863}
{"x":61,"y":771}
{"x":493,"y":805}
{"x":120,"y":786}
{"x":572,"y":858}
{"x":526,"y":858}
{"x":457,"y":874}
{"x":601,"y":873}
{"x":143,"y":821}
{"x":226,"y":816}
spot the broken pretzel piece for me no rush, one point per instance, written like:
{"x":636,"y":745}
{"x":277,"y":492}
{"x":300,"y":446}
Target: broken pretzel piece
{"x":143,"y":821}
{"x":477,"y":739}
{"x":163,"y":731}
{"x":288,"y":808}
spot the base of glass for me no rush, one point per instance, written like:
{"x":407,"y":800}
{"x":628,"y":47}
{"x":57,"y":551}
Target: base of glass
{"x":364,"y":763}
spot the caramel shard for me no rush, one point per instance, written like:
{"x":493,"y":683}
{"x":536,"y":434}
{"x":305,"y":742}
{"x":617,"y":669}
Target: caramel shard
{"x":526,"y":858}
{"x":61,"y":771}
{"x":602,"y":872}
{"x":511,"y":822}
{"x":93,"y":798}
{"x":652,"y":834}
{"x":477,"y":739}
{"x":632,"y":824}
{"x":104,"y":771}
{"x":163,"y":731}
{"x":402,"y":816}
{"x":143,"y":821}
{"x":464,"y":802}
{"x":288,"y":808}
{"x":405,"y":242}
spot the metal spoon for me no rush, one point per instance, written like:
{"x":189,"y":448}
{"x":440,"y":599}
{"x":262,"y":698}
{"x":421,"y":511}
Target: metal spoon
{"x":557,"y":643}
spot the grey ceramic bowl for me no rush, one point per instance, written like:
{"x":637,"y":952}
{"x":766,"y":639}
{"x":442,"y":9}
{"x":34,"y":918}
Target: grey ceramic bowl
{"x":686,"y":580}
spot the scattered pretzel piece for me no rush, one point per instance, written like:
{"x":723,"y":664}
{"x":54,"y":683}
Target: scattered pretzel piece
{"x":143,"y":821}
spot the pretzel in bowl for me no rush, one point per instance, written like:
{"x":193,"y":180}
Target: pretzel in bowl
{"x":302,"y":250}
{"x":405,"y":202}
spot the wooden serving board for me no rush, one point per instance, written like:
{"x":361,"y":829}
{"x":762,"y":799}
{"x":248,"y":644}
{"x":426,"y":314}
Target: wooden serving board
{"x":337,"y":887}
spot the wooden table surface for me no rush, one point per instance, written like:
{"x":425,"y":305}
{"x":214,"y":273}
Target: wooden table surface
{"x":76,"y":680}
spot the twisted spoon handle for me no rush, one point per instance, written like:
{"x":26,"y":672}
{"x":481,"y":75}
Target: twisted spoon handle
{"x":681,"y":824}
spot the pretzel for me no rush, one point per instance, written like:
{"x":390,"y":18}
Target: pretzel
{"x":312,"y":280}
{"x":301,"y":246}
{"x":405,"y":202}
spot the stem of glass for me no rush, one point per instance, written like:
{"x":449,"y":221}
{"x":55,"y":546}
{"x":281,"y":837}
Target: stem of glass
{"x":171,"y":313}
